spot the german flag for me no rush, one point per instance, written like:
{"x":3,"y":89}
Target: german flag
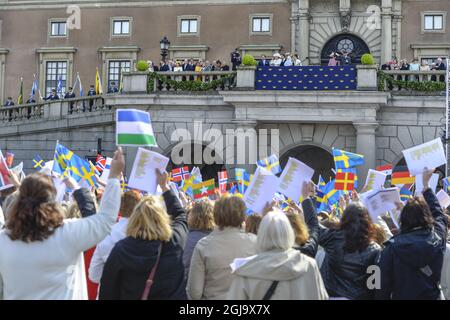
{"x":402,"y":177}
{"x":344,"y":181}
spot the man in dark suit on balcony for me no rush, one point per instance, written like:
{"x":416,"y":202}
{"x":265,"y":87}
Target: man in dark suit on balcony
{"x":9,"y":102}
{"x":52,"y":96}
{"x":70,"y":95}
{"x":263,"y":62}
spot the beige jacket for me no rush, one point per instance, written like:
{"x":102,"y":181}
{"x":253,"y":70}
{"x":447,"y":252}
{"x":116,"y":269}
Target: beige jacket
{"x":298,"y":275}
{"x":210,"y":271}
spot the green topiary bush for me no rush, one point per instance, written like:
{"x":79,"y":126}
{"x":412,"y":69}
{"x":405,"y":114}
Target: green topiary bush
{"x":142,"y":65}
{"x":248,"y":60}
{"x":367,"y":59}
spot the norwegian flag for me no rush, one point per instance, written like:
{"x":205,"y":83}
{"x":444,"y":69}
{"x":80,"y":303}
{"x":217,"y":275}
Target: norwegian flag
{"x":100,"y":163}
{"x":223,"y":179}
{"x":179,"y":174}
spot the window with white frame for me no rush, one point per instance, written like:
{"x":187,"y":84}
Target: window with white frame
{"x":261,"y":24}
{"x":55,"y":77}
{"x":58,"y":28}
{"x":121,"y":27}
{"x":189,"y":26}
{"x":433,"y":22}
{"x":115,"y":69}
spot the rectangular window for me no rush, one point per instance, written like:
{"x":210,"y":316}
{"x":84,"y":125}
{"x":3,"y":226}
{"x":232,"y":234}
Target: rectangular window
{"x":58,"y":29}
{"x":261,"y":24}
{"x":55,"y":72}
{"x":115,"y":69}
{"x":433,"y":22}
{"x":121,"y":27}
{"x":188,"y":26}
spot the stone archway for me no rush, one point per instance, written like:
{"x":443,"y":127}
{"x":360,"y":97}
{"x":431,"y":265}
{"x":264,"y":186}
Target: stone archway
{"x":320,"y":159}
{"x":348,"y":42}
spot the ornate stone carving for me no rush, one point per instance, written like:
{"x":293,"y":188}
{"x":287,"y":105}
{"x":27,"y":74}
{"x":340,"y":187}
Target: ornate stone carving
{"x":345,"y":20}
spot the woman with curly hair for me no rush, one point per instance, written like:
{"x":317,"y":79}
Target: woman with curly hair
{"x":40,"y":251}
{"x":349,"y":249}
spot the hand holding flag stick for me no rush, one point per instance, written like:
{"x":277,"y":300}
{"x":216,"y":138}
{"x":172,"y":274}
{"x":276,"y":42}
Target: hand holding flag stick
{"x":162,"y":180}
{"x":308,"y":189}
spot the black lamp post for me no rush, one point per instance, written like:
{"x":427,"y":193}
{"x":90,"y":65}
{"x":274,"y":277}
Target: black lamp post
{"x":164,"y":43}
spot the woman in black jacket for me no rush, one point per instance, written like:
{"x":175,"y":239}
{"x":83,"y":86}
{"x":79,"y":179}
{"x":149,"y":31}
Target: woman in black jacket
{"x":132,"y":259}
{"x":349,"y":250}
{"x":411,"y":263}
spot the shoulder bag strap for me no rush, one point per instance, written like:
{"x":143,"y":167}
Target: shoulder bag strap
{"x":271,"y":291}
{"x":149,"y":282}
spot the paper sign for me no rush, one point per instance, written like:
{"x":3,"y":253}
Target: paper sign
{"x":143,"y":176}
{"x":239,"y":262}
{"x":48,"y":168}
{"x":375,"y":180}
{"x":261,"y":190}
{"x":444,"y":199}
{"x":381,"y":201}
{"x":292,"y":178}
{"x":428,"y":155}
{"x":433,"y":183}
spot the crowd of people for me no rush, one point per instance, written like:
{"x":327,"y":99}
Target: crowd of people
{"x":169,"y":246}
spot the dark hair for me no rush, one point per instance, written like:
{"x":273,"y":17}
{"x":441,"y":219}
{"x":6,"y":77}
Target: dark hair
{"x":415,"y":214}
{"x":34,"y":216}
{"x":252,"y":223}
{"x":358,"y":228}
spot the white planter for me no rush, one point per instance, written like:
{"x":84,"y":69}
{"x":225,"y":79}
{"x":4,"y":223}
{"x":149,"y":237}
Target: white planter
{"x":135,"y":82}
{"x":245,"y":77}
{"x":367,"y":77}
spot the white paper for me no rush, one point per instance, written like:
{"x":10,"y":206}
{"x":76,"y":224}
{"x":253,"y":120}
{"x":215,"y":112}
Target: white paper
{"x":60,"y":187}
{"x":381,"y":201}
{"x":375,"y":180}
{"x":143,"y":176}
{"x":444,"y":199}
{"x":432,"y":184}
{"x":261,"y":190}
{"x":105,"y":173}
{"x":428,"y":155}
{"x":239,"y":262}
{"x":48,"y":168}
{"x":292,"y":178}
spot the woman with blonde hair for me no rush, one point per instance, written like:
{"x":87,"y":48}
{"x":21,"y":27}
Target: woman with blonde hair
{"x":278,"y":271}
{"x":148,"y":263}
{"x":200,"y":223}
{"x":210,"y":272}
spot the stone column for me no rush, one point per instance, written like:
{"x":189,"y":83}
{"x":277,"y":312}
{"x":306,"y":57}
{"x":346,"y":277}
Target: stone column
{"x":294,"y":23}
{"x":386,"y":31}
{"x":303,"y":34}
{"x":3,"y":53}
{"x":365,"y":145}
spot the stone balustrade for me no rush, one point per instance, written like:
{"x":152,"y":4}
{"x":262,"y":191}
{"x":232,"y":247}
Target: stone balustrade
{"x":436,"y":76}
{"x":52,"y":109}
{"x":164,"y":81}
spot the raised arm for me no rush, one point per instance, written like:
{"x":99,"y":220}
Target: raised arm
{"x":85,"y":233}
{"x":440,"y":219}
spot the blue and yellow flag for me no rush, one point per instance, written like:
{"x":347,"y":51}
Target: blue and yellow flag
{"x":344,"y":159}
{"x":82,"y":169}
{"x":271,"y":164}
{"x":405,"y":194}
{"x":61,"y":159}
{"x":446,"y":184}
{"x":38,"y":163}
{"x":332,"y":195}
{"x":244,"y":182}
{"x":321,"y":184}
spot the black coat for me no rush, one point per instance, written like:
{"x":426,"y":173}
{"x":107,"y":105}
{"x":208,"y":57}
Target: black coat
{"x":309,"y":211}
{"x":69,"y":95}
{"x":411,"y":262}
{"x":131,"y":260}
{"x":345,"y":274}
{"x":262,"y":63}
{"x":85,"y":202}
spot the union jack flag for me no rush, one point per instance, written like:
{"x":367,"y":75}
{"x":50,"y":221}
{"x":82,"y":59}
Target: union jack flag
{"x":223,"y":179}
{"x":179,"y":174}
{"x":100,"y":163}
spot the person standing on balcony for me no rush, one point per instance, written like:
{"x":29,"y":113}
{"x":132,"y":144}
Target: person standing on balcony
{"x":70,"y":95}
{"x":178,"y":67}
{"x":440,"y":65}
{"x":297,"y":61}
{"x":345,"y":59}
{"x":9,"y":102}
{"x":276,"y":61}
{"x":424,"y":66}
{"x":190,"y":66}
{"x":333,"y":62}
{"x":235,"y":59}
{"x":263,"y":62}
{"x":113,"y":88}
{"x":288,"y":60}
{"x":52,"y":96}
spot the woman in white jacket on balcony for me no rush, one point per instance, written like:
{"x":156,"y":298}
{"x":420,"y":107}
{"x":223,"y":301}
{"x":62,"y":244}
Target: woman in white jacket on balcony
{"x":40,"y":251}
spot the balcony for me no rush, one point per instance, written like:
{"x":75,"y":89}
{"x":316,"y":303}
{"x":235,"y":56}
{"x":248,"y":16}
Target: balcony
{"x":412,"y":82}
